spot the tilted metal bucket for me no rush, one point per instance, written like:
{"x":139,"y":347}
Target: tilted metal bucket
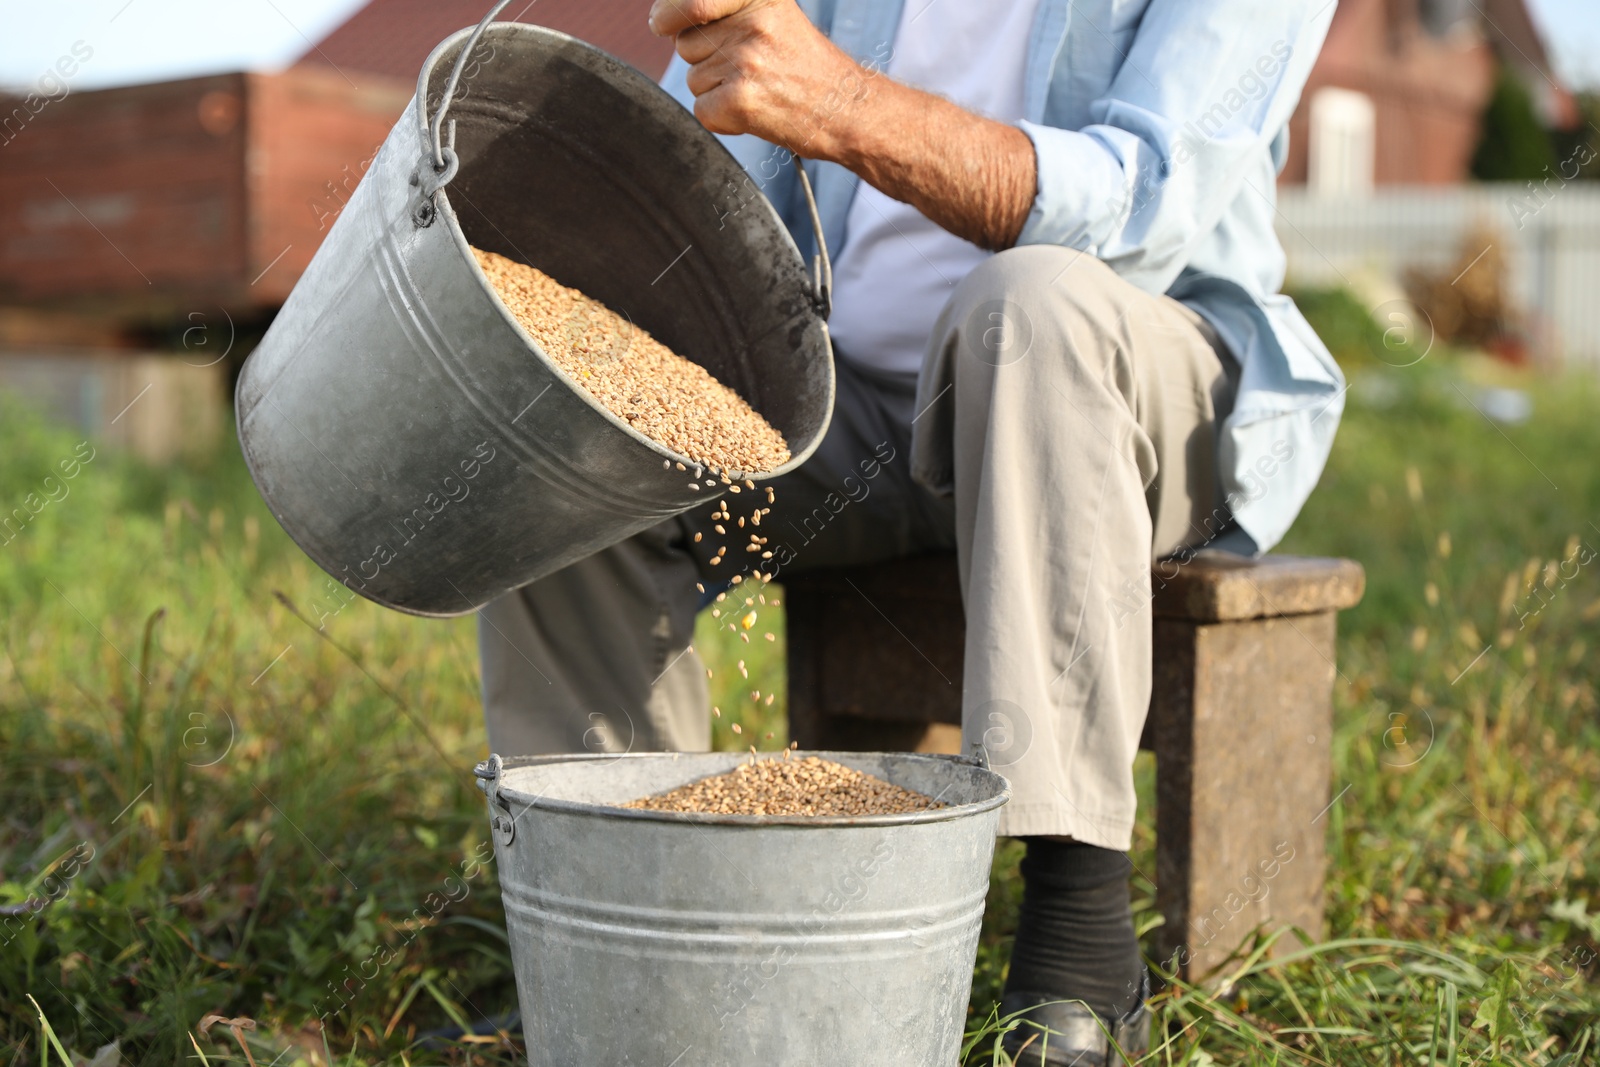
{"x":644,"y":937}
{"x":410,"y":436}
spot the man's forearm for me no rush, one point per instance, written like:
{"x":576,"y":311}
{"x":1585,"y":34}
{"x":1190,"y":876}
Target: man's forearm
{"x":972,"y":175}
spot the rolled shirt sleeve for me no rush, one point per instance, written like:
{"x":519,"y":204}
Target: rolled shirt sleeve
{"x":1201,"y":93}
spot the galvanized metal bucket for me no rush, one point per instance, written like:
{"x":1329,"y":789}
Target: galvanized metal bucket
{"x":409,"y":434}
{"x":654,"y":938}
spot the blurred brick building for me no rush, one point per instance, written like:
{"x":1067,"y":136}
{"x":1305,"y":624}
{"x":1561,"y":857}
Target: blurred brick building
{"x":149,"y":232}
{"x":393,"y":37}
{"x":181,"y":231}
{"x":1398,"y":91}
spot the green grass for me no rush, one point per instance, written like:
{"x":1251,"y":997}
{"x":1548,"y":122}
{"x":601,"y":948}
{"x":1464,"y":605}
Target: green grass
{"x":215,"y":808}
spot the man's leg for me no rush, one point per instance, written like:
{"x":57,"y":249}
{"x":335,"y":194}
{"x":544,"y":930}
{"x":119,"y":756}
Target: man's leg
{"x":596,"y":657}
{"x":1073,"y":417}
{"x":592,"y":658}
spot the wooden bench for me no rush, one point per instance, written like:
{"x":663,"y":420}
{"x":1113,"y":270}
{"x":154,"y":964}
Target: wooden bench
{"x":1241,"y":717}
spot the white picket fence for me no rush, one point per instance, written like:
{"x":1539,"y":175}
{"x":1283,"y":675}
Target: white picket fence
{"x":1551,"y":237}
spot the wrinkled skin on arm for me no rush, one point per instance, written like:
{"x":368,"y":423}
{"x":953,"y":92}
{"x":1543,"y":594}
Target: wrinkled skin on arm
{"x":760,"y":67}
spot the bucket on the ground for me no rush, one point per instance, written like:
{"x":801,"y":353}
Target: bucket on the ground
{"x":406,"y":431}
{"x":662,"y":938}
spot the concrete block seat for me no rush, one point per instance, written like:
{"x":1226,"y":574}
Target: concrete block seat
{"x":1241,"y":717}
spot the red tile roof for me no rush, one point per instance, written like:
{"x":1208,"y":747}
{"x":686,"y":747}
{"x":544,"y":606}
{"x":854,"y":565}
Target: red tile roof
{"x":393,"y":37}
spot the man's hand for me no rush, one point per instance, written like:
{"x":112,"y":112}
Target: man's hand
{"x":761,"y":67}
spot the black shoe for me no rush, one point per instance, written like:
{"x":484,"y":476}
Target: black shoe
{"x":1061,"y":1033}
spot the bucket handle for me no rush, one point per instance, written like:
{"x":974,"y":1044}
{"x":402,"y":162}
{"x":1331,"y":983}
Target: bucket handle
{"x":501,"y":820}
{"x":821,"y":264}
{"x":434,"y":171}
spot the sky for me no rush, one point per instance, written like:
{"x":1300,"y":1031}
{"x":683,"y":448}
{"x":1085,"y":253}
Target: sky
{"x":1571,"y":30}
{"x":155,"y":40}
{"x":152,"y":40}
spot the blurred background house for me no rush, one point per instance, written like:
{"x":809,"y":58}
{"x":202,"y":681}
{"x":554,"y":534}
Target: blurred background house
{"x":1431,"y":171}
{"x":1400,"y":92}
{"x":391,"y":38}
{"x":149,"y":232}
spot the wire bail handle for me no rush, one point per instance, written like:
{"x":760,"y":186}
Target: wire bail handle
{"x":821,"y":264}
{"x":436,"y":169}
{"x":501,"y":819}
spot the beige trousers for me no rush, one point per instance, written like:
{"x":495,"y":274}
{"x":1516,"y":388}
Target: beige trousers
{"x":1062,"y":434}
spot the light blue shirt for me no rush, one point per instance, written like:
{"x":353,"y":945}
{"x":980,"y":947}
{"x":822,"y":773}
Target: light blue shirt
{"x":1159,"y":128}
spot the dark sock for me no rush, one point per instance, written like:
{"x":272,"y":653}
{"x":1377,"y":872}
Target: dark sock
{"x":1075,"y":938}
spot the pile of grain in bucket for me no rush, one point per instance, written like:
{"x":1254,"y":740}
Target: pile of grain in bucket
{"x":809,"y":786}
{"x":671,"y":400}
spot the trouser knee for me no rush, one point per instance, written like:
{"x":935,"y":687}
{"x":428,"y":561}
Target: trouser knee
{"x":1032,"y":300}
